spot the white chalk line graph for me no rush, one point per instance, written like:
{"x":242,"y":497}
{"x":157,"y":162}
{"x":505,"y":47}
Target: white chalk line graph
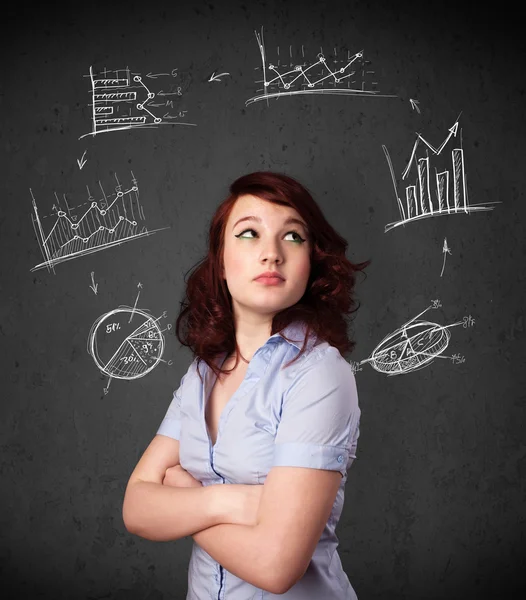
{"x":299,"y":77}
{"x":110,"y":220}
{"x":119,"y":89}
{"x":414,"y":345}
{"x":420,"y":201}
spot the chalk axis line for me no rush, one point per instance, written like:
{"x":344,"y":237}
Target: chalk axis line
{"x":420,"y":203}
{"x":112,"y":220}
{"x":292,"y":79}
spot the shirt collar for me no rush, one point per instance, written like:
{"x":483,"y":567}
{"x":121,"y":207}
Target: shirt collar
{"x":296,"y":332}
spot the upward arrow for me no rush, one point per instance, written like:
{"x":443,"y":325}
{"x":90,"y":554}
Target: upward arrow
{"x":452,"y":132}
{"x":445,"y":250}
{"x":414,"y":104}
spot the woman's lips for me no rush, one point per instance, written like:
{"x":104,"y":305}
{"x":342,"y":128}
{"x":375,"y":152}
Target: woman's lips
{"x":270,"y":280}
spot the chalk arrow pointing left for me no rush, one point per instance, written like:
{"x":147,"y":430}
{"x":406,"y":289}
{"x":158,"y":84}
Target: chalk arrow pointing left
{"x":215,"y":77}
{"x":82,"y":162}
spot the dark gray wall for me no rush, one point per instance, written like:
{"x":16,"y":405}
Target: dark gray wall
{"x":435,"y":501}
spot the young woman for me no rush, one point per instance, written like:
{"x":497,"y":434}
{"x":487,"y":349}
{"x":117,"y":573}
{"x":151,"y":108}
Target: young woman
{"x":251,"y":458}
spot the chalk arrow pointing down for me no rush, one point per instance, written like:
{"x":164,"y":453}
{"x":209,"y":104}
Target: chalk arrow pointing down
{"x":414,"y":104}
{"x":95,"y":286}
{"x":215,"y":77}
{"x":82,"y":162}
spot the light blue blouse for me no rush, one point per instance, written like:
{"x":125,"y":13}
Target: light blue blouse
{"x":306,"y":415}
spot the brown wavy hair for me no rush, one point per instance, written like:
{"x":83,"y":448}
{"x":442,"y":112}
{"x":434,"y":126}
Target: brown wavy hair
{"x":206,"y":321}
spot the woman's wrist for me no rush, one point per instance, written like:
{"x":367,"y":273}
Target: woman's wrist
{"x":229,"y":504}
{"x":221,"y":502}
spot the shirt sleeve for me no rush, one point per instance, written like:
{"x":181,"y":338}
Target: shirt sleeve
{"x":320,"y":416}
{"x":171,"y":424}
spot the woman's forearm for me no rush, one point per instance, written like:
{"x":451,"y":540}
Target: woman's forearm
{"x":162,"y":513}
{"x":243,"y":551}
{"x":238,"y":542}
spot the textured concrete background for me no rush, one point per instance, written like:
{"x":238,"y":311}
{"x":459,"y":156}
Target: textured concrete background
{"x":435,"y":500}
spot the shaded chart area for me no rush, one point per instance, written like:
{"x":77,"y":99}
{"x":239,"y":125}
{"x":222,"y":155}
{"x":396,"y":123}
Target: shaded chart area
{"x":414,"y":346}
{"x":94,"y":225}
{"x":434,"y":193}
{"x":291,"y":72}
{"x":126,"y":343}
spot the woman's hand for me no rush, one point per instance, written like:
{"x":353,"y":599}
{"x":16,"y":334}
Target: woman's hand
{"x":237,"y":503}
{"x":178,"y":477}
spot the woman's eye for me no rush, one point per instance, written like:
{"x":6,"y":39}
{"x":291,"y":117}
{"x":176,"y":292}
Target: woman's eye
{"x":298,"y":236}
{"x":243,"y":232}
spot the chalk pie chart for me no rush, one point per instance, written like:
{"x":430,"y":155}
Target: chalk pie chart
{"x":124,"y":349}
{"x":410,"y":348}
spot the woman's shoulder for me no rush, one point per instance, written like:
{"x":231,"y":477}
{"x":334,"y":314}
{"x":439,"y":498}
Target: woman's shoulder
{"x":323,"y":357}
{"x":324,"y":372}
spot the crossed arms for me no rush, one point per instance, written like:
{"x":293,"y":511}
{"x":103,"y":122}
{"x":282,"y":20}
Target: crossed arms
{"x":271,"y":551}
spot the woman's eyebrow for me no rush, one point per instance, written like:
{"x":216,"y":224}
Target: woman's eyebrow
{"x":288,"y":221}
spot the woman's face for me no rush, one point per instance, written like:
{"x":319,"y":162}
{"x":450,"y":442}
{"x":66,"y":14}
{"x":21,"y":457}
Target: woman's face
{"x":268,"y":244}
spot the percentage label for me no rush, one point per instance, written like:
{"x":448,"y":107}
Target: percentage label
{"x":468,"y":321}
{"x":355,"y":366}
{"x":457,"y":359}
{"x":129,"y":359}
